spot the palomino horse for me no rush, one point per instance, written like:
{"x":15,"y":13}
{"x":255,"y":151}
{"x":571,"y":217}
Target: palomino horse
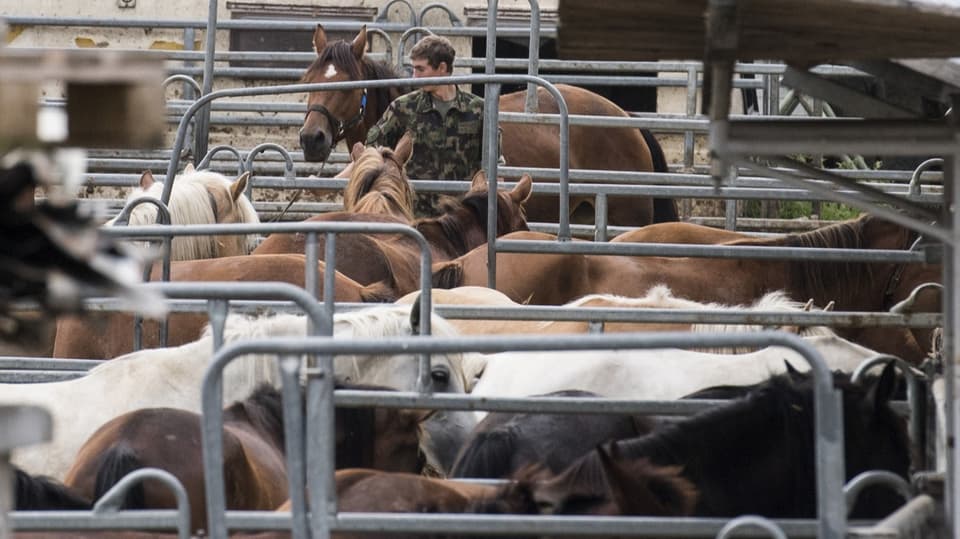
{"x":108,"y":334}
{"x":555,"y":279}
{"x":394,"y":259}
{"x":348,"y":114}
{"x":254,"y":463}
{"x":756,"y":454}
{"x":378,"y":183}
{"x":174,"y":374}
{"x":199,"y":197}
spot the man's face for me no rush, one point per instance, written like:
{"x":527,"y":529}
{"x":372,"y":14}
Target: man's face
{"x":422,"y":68}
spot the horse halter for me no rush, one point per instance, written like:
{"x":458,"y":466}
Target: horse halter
{"x":339,"y":127}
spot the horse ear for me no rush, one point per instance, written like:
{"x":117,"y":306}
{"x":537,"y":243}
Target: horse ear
{"x":521,"y":192}
{"x":239,"y":186}
{"x":189,"y":169}
{"x":359,"y":44}
{"x":479,"y":181}
{"x":357,"y":149}
{"x":404,"y":148}
{"x":319,"y":39}
{"x":146,"y":180}
{"x":882,"y":391}
{"x":415,"y":316}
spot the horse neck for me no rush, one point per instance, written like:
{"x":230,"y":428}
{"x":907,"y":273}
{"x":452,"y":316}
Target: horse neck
{"x":378,"y":99}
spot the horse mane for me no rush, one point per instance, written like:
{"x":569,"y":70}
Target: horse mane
{"x":827,"y":280}
{"x":33,"y":493}
{"x":263,"y":410}
{"x":393,"y":192}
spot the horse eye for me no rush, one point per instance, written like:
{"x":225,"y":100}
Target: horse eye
{"x":440,"y":376}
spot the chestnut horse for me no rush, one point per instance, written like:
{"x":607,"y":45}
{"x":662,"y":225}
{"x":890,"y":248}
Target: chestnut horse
{"x":348,"y":114}
{"x":394,"y":259}
{"x":554,"y":279}
{"x":253,"y":451}
{"x":105,"y":335}
{"x":198,"y":197}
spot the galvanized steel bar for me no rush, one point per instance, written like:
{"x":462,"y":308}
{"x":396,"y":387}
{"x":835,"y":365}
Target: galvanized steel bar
{"x":917,"y":518}
{"x":711,"y":251}
{"x":202,"y":125}
{"x":111,"y":501}
{"x":294,"y":444}
{"x":881,"y":211}
{"x":871,"y":478}
{"x":737,"y":525}
{"x":785,"y":137}
{"x":533,"y":67}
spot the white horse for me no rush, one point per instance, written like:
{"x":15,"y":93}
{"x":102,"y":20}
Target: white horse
{"x":171,"y":377}
{"x":656,"y":374}
{"x":658,"y":297}
{"x":199,"y":197}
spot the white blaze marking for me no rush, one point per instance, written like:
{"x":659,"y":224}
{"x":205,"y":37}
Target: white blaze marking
{"x":331,"y":72}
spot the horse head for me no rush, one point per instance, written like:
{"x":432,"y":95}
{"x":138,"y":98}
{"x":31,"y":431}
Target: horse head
{"x":197,"y":197}
{"x":377,"y":181}
{"x":342,"y":114}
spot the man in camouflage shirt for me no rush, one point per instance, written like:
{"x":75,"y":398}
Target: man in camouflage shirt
{"x":446,"y":124}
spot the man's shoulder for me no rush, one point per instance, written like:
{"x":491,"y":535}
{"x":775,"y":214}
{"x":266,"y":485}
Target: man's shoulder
{"x":470,"y":102}
{"x":408,"y":100}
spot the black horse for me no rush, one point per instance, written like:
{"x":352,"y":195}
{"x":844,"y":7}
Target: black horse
{"x":756,"y":454}
{"x":505,"y":443}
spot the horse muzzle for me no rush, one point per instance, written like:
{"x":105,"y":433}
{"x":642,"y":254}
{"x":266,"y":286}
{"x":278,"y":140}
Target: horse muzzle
{"x":316,"y":145}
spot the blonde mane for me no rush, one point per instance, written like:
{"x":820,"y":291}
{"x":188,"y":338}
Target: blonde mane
{"x":376,"y":187}
{"x":190,"y":203}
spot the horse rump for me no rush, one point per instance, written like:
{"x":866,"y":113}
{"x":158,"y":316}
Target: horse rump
{"x":37,"y":493}
{"x":117,"y":462}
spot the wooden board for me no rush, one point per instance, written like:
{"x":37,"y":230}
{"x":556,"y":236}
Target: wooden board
{"x":799,"y":31}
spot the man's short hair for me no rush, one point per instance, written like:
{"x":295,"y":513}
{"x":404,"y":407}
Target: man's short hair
{"x":434,"y":49}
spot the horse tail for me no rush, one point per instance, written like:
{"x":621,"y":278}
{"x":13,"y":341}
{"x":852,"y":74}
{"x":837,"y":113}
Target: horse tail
{"x":379,"y":292}
{"x":487,"y":455}
{"x":664,"y":209}
{"x":35,"y":493}
{"x":448,"y":274}
{"x":117,"y":462}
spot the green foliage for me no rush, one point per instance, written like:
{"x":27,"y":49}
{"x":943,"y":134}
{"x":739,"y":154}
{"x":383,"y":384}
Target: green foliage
{"x":835,"y":211}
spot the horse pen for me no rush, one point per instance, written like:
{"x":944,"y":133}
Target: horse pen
{"x":900,"y":302}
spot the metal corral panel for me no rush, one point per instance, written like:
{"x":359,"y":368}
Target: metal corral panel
{"x":804,"y":31}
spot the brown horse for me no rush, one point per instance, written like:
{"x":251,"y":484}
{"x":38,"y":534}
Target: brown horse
{"x":679,"y":233}
{"x":394,"y":259}
{"x":254,"y":464}
{"x":105,"y":335}
{"x":332,"y":116}
{"x":555,"y":279}
{"x":378,"y":183}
